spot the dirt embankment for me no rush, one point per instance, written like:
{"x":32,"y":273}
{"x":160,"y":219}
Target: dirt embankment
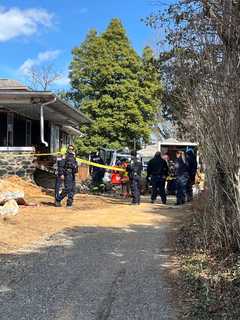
{"x":41,"y":218}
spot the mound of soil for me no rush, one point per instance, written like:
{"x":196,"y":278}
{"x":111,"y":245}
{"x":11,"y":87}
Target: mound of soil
{"x":15,"y":183}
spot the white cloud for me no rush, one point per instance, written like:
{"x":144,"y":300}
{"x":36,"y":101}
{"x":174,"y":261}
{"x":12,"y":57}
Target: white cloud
{"x":63,"y":81}
{"x":41,"y":57}
{"x":16,"y":22}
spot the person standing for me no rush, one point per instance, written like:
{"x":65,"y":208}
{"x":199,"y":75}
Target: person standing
{"x":59,"y":178}
{"x":192,"y":171}
{"x":182,"y":177}
{"x":134,"y":170}
{"x":97,"y":172}
{"x":157,"y":169}
{"x":125,"y":179}
{"x":70,"y":168}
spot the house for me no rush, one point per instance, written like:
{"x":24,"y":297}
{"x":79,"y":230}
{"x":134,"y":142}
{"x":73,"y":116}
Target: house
{"x":33,"y":122}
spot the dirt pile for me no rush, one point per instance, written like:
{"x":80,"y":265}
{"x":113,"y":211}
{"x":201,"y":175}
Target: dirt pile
{"x":17,"y":184}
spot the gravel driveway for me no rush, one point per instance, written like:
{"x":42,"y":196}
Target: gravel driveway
{"x":93,"y":273}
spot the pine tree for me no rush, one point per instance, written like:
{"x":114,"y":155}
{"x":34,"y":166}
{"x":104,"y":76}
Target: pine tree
{"x":151,"y":88}
{"x":112,"y":85}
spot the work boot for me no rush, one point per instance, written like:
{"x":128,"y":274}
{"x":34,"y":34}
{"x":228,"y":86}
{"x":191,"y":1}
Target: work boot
{"x":177,"y":204}
{"x":58,"y":204}
{"x":69,"y":205}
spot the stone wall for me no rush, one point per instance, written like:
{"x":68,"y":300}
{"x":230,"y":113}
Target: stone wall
{"x":22,"y":166}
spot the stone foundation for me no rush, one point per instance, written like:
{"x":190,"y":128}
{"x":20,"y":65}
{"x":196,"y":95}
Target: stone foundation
{"x":22,"y":166}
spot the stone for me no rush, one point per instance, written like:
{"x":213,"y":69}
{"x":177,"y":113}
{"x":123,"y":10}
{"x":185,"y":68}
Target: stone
{"x":10,"y":208}
{"x":22,"y":166}
{"x":21,"y":173}
{"x":26,"y":163}
{"x":4,"y":163}
{"x":3,"y":172}
{"x":9,"y":195}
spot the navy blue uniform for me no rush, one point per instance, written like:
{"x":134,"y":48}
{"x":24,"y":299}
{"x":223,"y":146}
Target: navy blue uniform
{"x":192,"y":170}
{"x":97,"y":173}
{"x":182,"y":177}
{"x":59,"y":181}
{"x":134,"y":172}
{"x":70,"y":168}
{"x":158,"y":171}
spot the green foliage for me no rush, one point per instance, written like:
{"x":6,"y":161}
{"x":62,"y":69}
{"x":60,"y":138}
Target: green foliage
{"x":116,"y":88}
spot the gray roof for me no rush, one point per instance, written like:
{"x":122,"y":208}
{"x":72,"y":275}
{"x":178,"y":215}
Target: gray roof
{"x":8,"y":84}
{"x":175,"y":142}
{"x":19,"y":98}
{"x":28,"y":104}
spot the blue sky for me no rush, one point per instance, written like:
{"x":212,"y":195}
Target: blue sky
{"x":38,"y":32}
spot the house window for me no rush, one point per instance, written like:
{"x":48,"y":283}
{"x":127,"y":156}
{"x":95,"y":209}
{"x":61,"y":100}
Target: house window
{"x":3,"y":129}
{"x":10,"y":122}
{"x":55,"y":138}
{"x":65,"y":139}
{"x":28,"y":132}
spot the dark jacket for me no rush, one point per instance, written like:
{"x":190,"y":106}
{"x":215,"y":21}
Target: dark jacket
{"x":181,"y":167}
{"x":99,"y":160}
{"x":70,"y":164}
{"x":60,"y":167}
{"x":134,"y":169}
{"x":157,"y":167}
{"x":191,"y":163}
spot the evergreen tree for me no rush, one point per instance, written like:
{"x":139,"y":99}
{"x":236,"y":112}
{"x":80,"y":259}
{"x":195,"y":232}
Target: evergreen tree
{"x":112,"y":85}
{"x":151,"y":88}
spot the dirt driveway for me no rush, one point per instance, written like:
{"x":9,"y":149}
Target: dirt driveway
{"x":35,"y":224}
{"x":113,"y":262}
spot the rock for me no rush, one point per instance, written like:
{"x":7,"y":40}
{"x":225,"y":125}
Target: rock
{"x":3,"y":172}
{"x":10,"y":208}
{"x":21,"y":173}
{"x":11,"y":195}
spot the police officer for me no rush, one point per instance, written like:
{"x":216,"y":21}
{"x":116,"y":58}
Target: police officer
{"x":59,"y":179}
{"x":96,"y":172}
{"x":182,"y":177}
{"x":134,"y":170}
{"x":191,"y":161}
{"x":158,"y":171}
{"x":70,"y":168}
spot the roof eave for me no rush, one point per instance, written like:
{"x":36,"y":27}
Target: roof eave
{"x":86,"y":118}
{"x":40,"y":97}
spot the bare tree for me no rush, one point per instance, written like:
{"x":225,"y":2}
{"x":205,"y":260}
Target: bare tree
{"x":42,"y":77}
{"x":204,"y":70}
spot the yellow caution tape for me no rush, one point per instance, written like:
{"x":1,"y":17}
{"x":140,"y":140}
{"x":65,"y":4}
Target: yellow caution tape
{"x":170,"y":178}
{"x":94,"y":164}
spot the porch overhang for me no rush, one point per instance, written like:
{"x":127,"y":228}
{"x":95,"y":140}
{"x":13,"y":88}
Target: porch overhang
{"x":29,"y":104}
{"x":72,"y":131}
